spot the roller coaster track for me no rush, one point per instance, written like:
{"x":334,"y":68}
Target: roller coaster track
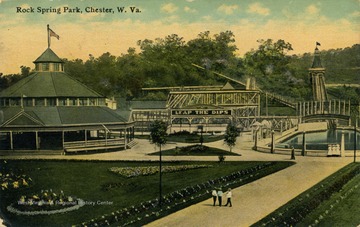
{"x":279,"y":98}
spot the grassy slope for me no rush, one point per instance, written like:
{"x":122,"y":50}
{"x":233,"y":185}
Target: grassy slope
{"x":344,"y":212}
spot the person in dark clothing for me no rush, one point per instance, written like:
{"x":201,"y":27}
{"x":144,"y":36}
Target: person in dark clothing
{"x":220,"y":193}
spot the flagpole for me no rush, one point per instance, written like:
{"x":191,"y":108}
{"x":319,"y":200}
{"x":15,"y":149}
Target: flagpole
{"x":48,"y":35}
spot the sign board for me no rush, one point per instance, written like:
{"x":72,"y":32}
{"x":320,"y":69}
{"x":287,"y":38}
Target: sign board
{"x":201,"y":112}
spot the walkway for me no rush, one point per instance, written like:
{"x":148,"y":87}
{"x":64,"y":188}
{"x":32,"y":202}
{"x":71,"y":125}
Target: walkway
{"x":254,"y":201}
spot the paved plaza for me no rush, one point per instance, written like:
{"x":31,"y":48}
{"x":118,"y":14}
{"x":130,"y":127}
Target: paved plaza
{"x":252,"y":201}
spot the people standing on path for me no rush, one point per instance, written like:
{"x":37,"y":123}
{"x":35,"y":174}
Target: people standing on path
{"x":228,"y":196}
{"x":214,"y":195}
{"x":219,"y":194}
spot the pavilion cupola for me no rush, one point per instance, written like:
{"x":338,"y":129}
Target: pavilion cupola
{"x":49,"y":62}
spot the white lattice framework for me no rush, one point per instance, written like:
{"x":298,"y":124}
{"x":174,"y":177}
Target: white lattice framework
{"x":221,"y":98}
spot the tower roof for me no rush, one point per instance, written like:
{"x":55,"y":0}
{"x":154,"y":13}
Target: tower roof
{"x":317,"y":60}
{"x":48,"y":56}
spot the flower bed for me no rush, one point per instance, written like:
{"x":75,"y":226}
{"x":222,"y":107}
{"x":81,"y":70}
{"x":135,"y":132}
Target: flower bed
{"x":150,"y":170}
{"x":11,"y":179}
{"x":194,"y":148}
{"x":46,"y":202}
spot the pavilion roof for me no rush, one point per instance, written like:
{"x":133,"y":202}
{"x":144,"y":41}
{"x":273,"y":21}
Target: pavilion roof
{"x":48,"y":56}
{"x":59,"y":116}
{"x":49,"y":84}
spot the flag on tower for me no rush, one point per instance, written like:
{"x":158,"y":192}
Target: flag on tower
{"x":52,"y":33}
{"x":318,"y":44}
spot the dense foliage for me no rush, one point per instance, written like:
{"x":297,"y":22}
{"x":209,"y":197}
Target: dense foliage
{"x":168,"y":61}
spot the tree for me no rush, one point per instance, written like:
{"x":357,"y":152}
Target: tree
{"x":230,"y":135}
{"x":158,"y":137}
{"x":269,"y":58}
{"x":25,"y":71}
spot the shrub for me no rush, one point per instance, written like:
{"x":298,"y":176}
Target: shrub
{"x":221,"y":158}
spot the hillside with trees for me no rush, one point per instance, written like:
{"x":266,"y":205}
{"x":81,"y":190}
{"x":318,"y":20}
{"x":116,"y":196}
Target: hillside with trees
{"x":167,"y":61}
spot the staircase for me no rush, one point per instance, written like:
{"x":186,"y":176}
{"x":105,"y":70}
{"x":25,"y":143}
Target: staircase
{"x":131,"y":144}
{"x":280,"y":99}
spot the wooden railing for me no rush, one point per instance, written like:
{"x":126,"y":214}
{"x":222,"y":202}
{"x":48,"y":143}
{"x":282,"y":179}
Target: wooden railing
{"x":93,"y":145}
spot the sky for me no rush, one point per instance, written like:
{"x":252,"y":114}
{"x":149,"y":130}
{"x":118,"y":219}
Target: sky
{"x":23,"y":25}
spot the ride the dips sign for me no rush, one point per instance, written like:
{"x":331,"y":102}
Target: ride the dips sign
{"x":200,"y":112}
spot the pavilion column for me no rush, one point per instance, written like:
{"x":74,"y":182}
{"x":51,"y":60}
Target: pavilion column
{"x":321,"y":107}
{"x":132,"y":133}
{"x":312,"y":107}
{"x":190,"y":119}
{"x":128,"y":134}
{"x":105,"y":137}
{"x":85,"y":137}
{"x":303,"y":150}
{"x":37,"y":142}
{"x":11,"y":141}
{"x":272,"y":148}
{"x":63,"y":139}
{"x":308,"y":108}
{"x":125,"y":139}
{"x":206,"y":124}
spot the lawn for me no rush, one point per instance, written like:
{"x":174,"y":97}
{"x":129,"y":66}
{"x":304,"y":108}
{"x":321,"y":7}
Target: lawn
{"x":195,"y":150}
{"x":186,"y":137}
{"x":341,"y":208}
{"x":110,"y":192}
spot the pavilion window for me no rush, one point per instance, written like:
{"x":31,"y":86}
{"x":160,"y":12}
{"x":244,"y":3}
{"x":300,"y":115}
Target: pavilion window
{"x":15,"y":102}
{"x":62,"y":102}
{"x":73,"y":102}
{"x":82,"y":101}
{"x":28,"y":102}
{"x":101,"y":102}
{"x":92,"y":102}
{"x":51,"y":102}
{"x":40,"y":102}
{"x":56,"y":67}
{"x":37,"y":67}
{"x":45,"y":67}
